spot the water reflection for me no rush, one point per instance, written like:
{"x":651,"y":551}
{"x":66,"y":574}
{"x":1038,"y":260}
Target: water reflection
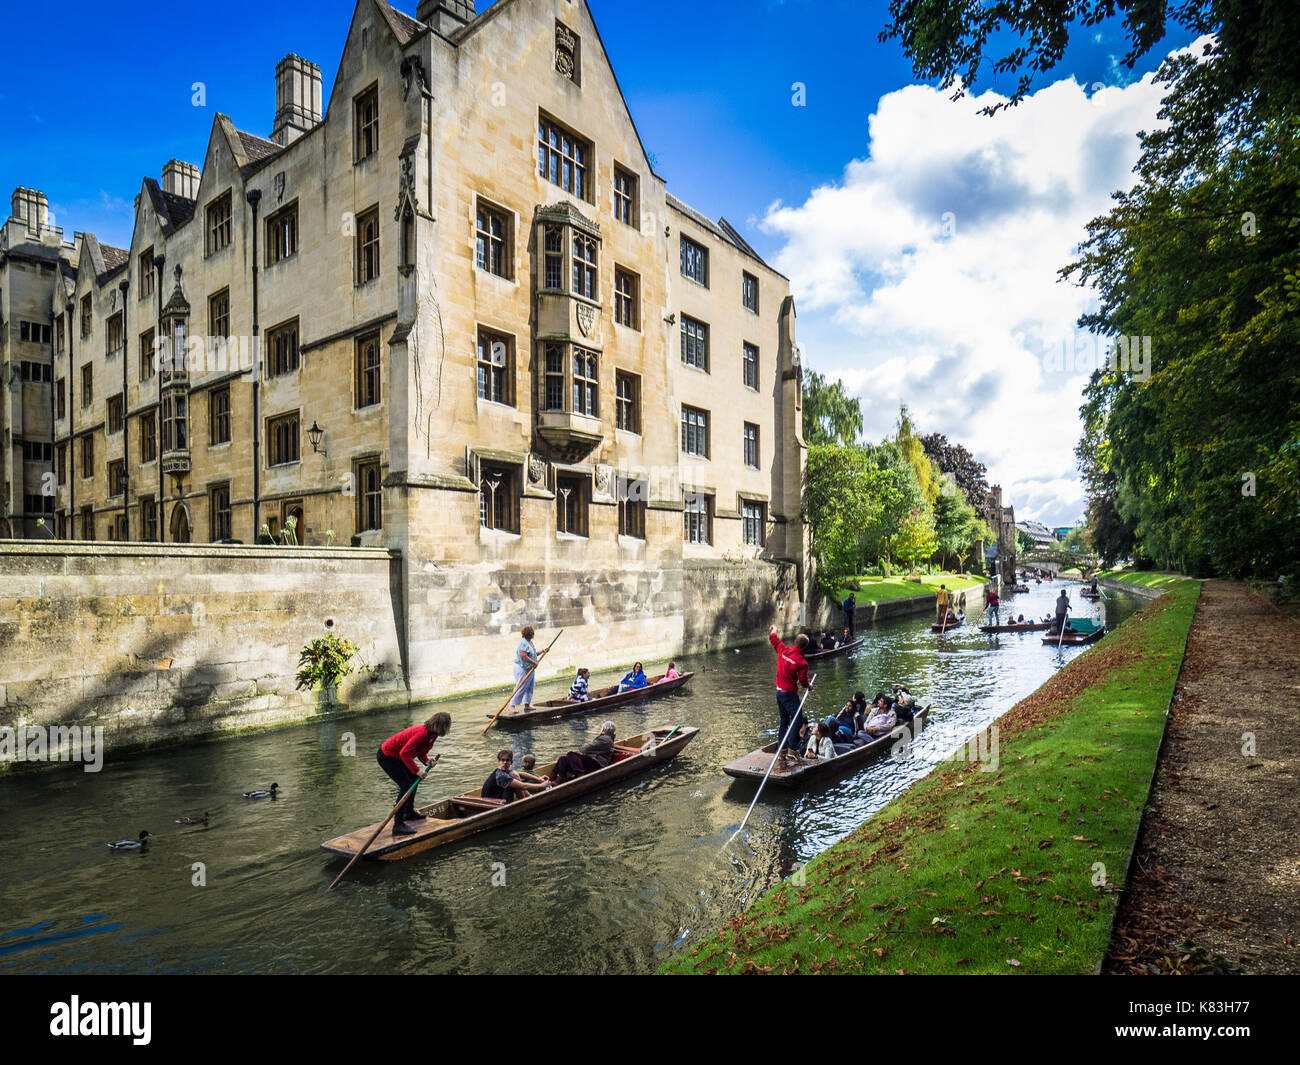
{"x":613,"y":883}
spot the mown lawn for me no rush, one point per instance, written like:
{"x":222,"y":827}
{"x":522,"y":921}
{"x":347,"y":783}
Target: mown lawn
{"x":1145,"y":578}
{"x":878,"y":589}
{"x":1014,"y":870}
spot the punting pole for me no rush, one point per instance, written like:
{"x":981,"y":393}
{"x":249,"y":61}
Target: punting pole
{"x":375,"y":835}
{"x":660,"y":742}
{"x":520,"y":684}
{"x":780,"y":746}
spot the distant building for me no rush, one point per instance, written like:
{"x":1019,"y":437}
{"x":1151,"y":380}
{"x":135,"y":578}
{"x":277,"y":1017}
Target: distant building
{"x":36,"y":265}
{"x":1062,"y":531}
{"x":1003,"y":521}
{"x":1039,"y":533}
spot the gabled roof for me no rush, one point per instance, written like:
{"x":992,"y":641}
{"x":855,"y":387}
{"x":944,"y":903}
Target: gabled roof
{"x":173,"y":211}
{"x":180,"y":208}
{"x":404,"y":28}
{"x":101,"y":260}
{"x":721,"y":229}
{"x":459,"y":36}
{"x":257,"y":151}
{"x":740,"y":242}
{"x":114,"y":260}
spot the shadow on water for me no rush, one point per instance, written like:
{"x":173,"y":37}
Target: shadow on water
{"x":613,"y":883}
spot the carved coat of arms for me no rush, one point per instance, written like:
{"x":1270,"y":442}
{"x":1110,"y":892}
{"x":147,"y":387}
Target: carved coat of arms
{"x":536,"y":469}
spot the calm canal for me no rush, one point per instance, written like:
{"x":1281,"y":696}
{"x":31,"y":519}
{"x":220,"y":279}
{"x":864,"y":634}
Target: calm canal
{"x":612,"y":883}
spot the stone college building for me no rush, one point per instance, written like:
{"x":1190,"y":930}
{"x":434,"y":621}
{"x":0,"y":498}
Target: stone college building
{"x":451,"y":312}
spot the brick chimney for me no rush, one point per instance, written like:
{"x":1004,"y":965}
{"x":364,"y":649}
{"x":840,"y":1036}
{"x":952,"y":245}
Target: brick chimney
{"x":445,"y":16}
{"x":297,"y":98}
{"x":181,"y":179}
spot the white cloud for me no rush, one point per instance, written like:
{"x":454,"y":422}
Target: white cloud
{"x":928,"y":273}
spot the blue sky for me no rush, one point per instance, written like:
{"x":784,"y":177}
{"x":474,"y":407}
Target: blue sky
{"x":100,"y":95}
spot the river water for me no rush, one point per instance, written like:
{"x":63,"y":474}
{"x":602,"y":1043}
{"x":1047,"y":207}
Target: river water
{"x":615,"y":882}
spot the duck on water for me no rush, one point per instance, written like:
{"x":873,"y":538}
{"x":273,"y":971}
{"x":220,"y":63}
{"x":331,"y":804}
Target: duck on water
{"x":138,"y":844}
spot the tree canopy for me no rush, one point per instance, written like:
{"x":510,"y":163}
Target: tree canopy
{"x":1190,"y":451}
{"x":848,"y":496}
{"x":1180,"y":452}
{"x":830,"y":414}
{"x":955,"y":461}
{"x":910,"y":447}
{"x":866,"y":505}
{"x":1254,"y":49}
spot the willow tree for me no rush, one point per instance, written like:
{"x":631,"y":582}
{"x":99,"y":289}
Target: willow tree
{"x":830,"y":414}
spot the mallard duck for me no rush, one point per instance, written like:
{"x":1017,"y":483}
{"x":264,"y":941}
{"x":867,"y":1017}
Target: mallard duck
{"x":130,"y":844}
{"x":262,"y":794}
{"x":193,"y":820}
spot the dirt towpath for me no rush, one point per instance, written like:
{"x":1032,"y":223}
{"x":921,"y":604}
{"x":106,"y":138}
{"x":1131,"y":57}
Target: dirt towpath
{"x":1215,"y":883}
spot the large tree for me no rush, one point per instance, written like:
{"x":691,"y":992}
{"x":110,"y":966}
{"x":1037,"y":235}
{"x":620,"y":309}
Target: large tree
{"x":1188,"y":452}
{"x":898,"y":495}
{"x":830,"y":414}
{"x":909,"y":445}
{"x":962,"y":466}
{"x":1253,"y":50}
{"x":958,"y":526}
{"x":1195,"y":258}
{"x":844,"y":492}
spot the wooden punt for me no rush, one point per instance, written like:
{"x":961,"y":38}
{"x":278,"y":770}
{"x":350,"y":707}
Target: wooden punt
{"x":1077,"y":631}
{"x":1037,"y":626}
{"x":552,"y":709}
{"x":802,"y":770}
{"x":940,"y":627}
{"x":1088,"y":593}
{"x":1020,"y":587}
{"x":814,"y":656}
{"x":459,"y":816}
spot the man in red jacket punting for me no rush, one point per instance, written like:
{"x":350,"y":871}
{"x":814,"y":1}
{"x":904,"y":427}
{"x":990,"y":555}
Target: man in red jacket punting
{"x":791,"y":673}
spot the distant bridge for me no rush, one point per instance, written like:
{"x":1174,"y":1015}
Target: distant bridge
{"x":1056,"y":559}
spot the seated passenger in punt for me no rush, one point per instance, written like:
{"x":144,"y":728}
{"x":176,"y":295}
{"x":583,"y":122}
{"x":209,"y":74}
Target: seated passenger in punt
{"x":827,"y":642}
{"x":820,"y":743}
{"x":882,"y":720}
{"x":578,"y":692}
{"x":528,"y":763}
{"x":635,"y":679}
{"x":845,"y":723}
{"x":505,"y":784}
{"x":596,"y":755}
{"x":670,"y":673}
{"x":846,"y":638}
{"x":904,"y":706}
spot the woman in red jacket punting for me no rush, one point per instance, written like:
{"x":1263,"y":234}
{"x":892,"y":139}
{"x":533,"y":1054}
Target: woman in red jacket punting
{"x":397,"y":757}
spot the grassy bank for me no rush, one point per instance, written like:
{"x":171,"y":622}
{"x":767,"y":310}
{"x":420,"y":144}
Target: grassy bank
{"x":1142,"y":577}
{"x":879,"y":589}
{"x":1013,"y":870}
